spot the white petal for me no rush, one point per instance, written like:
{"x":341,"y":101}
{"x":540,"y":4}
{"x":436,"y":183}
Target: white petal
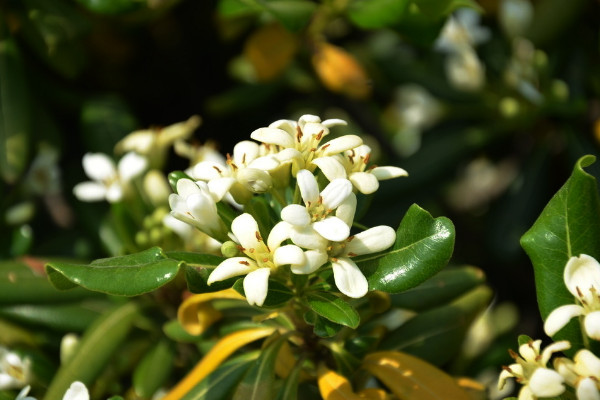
{"x":587,"y":390}
{"x":591,"y":323}
{"x":309,"y":188}
{"x":219,"y":187}
{"x":245,"y":229}
{"x":383,"y":173}
{"x":314,"y":260}
{"x":582,"y":272}
{"x":331,"y":167}
{"x":289,"y":254}
{"x":231,"y":267}
{"x":273,"y":136}
{"x":328,"y":123}
{"x":332,"y":228}
{"x":546,"y":383}
{"x":99,"y":166}
{"x":187,"y":187}
{"x":336,"y":192}
{"x":114,"y":193}
{"x":308,"y":118}
{"x":280,"y":232}
{"x":131,"y":165}
{"x":587,"y":364}
{"x":345,"y":211}
{"x":306,"y":237}
{"x":255,"y":180}
{"x":311,"y":129}
{"x":340,"y":144}
{"x":372,"y":240}
{"x":256,"y":286}
{"x":266,"y":163}
{"x":207,"y":170}
{"x":89,"y":191}
{"x":348,"y":278}
{"x":526,"y":394}
{"x":365,"y":182}
{"x":139,"y":141}
{"x":529,"y":351}
{"x":295,"y":214}
{"x":551,"y":349}
{"x":289,"y":155}
{"x":77,"y":391}
{"x":560,"y":316}
{"x":285,"y":124}
{"x":181,"y":228}
{"x":244,"y":152}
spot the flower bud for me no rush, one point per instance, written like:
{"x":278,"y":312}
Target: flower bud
{"x":255,"y":180}
{"x":230,"y":249}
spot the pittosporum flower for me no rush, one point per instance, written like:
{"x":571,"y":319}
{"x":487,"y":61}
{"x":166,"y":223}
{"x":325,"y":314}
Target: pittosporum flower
{"x":582,"y":278}
{"x":583,"y":374}
{"x":305,"y":138}
{"x":462,"y":30}
{"x":109,"y":182}
{"x":352,"y":164}
{"x":313,"y":224}
{"x":531,"y":370}
{"x":77,"y":391}
{"x":15,"y":371}
{"x":465,"y":70}
{"x":196,"y":204}
{"x":260,"y":258}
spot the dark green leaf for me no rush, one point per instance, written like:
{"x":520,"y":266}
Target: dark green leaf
{"x":333,"y":308}
{"x":174,"y":331}
{"x":435,"y":9}
{"x":373,"y":14}
{"x":94,"y":350}
{"x":568,"y":226}
{"x":293,"y":14}
{"x":110,"y":7}
{"x":524,"y":339}
{"x":235,"y":8}
{"x":129,"y":275}
{"x":436,"y":335}
{"x":277,"y":295}
{"x":197,"y":269}
{"x":423,"y":247}
{"x":263,"y":213}
{"x":324,"y":327}
{"x":154,"y":369}
{"x":440,"y":289}
{"x":289,"y":390}
{"x":58,"y":317}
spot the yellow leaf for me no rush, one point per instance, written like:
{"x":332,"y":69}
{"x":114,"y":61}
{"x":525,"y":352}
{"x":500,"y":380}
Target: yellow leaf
{"x":474,"y":389}
{"x":196,"y":314}
{"x":270,"y":49}
{"x":340,"y":72}
{"x":334,"y":386}
{"x":373,"y":394}
{"x":219,"y":353}
{"x":409,"y":377}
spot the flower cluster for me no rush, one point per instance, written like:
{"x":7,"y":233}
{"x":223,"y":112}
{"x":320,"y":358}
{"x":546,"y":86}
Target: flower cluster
{"x":313,"y":226}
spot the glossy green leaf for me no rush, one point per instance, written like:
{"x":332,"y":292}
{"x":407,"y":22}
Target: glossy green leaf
{"x":95,"y":349}
{"x":292,"y":14}
{"x":289,"y":389}
{"x":440,"y":289}
{"x":568,"y":226}
{"x":259,"y":380}
{"x":325,"y":328}
{"x":197,"y":269}
{"x":220,"y":384}
{"x":373,"y":14}
{"x":333,"y":308}
{"x":423,"y":247}
{"x":277,"y":295}
{"x":263,"y":213}
{"x":436,"y":335}
{"x":15,"y":112}
{"x":58,"y":317}
{"x":19,"y":284}
{"x":129,"y":275}
{"x":154,"y":369}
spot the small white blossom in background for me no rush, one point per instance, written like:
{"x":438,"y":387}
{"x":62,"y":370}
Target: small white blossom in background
{"x":583,"y":374}
{"x":77,"y":391}
{"x":582,"y":279}
{"x":15,"y":370}
{"x":531,"y":370}
{"x":515,"y":16}
{"x":465,"y":71}
{"x":109,"y":181}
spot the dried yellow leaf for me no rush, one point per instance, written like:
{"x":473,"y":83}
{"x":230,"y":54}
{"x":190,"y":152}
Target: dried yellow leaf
{"x":334,"y":386}
{"x":196,"y":313}
{"x":340,"y":72}
{"x":270,"y":49}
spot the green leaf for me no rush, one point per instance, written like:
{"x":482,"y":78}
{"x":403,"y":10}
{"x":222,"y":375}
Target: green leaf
{"x":374,"y":14}
{"x":293,"y":14}
{"x":220,"y":384}
{"x":324,"y":327}
{"x":333,"y":308}
{"x":129,"y":275}
{"x":154,"y":369}
{"x":176,"y":176}
{"x":277,"y":295}
{"x":174,"y":331}
{"x":236,"y":8}
{"x":289,"y":390}
{"x":197,"y":269}
{"x":58,"y":317}
{"x":95,"y":349}
{"x":440,"y":289}
{"x":524,"y":339}
{"x":568,"y":226}
{"x":110,"y":7}
{"x":423,"y":247}
{"x":259,"y":380}
{"x":437,"y":335}
{"x":15,"y":112}
{"x":436,"y":9}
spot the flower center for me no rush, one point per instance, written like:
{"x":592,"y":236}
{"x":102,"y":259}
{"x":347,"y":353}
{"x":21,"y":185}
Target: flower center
{"x":261,"y":253}
{"x":317,"y":210}
{"x":591,"y":300}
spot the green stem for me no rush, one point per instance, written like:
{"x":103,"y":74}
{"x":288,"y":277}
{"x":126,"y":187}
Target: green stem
{"x":277,"y":195}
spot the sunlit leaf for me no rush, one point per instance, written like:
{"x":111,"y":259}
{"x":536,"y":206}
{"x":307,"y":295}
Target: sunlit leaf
{"x":334,"y":386}
{"x":333,"y":308}
{"x":196,"y":314}
{"x":270,"y":49}
{"x":373,"y":14}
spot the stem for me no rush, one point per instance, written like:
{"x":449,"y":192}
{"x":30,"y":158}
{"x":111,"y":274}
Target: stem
{"x":277,"y":195}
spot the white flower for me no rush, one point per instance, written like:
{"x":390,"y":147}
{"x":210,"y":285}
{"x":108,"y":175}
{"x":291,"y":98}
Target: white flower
{"x":15,"y":371}
{"x":247,"y":167}
{"x":347,"y":276}
{"x":109,"y":182}
{"x":583,"y":374}
{"x":531,"y":370}
{"x":77,"y":391}
{"x":196,"y":204}
{"x":315,"y":215}
{"x":23,"y":394}
{"x":302,"y":140}
{"x":260,"y":258}
{"x":465,"y":71}
{"x":462,"y":30}
{"x":352,"y":164}
{"x":582,"y":278}
{"x":515,"y":16}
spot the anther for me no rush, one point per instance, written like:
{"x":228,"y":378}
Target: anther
{"x":258,"y":237}
{"x":244,"y":262}
{"x":217,"y":168}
